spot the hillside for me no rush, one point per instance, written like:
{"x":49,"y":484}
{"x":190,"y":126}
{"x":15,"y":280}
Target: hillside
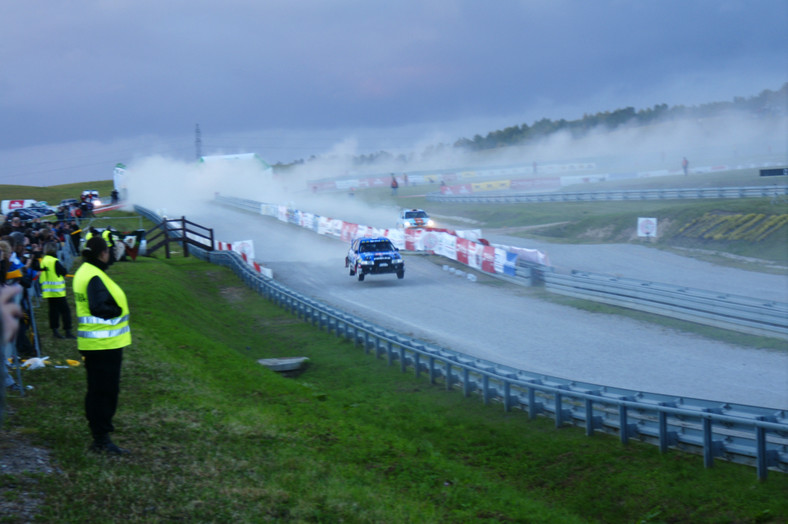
{"x":217,"y":437}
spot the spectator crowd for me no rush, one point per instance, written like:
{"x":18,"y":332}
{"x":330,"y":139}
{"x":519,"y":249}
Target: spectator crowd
{"x":25,"y":246}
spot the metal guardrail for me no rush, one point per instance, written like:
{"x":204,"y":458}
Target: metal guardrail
{"x":727,"y":311}
{"x":511,"y":197}
{"x":744,"y":434}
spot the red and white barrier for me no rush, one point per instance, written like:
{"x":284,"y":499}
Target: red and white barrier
{"x":245,"y":248}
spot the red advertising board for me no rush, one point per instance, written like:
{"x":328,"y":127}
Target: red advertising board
{"x":488,"y":259}
{"x":462,"y":250}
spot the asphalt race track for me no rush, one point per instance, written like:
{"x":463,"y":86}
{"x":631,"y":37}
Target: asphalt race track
{"x":501,"y":322}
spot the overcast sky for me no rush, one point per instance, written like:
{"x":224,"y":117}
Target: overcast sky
{"x":89,"y":83}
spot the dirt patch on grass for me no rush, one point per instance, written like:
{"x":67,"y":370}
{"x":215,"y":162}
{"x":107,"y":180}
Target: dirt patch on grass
{"x":20,"y":462}
{"x":597,"y":234}
{"x":232,"y":294}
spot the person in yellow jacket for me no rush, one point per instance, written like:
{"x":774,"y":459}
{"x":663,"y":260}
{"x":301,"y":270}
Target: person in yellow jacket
{"x":53,"y":289}
{"x":109,"y":237}
{"x":102,"y":333}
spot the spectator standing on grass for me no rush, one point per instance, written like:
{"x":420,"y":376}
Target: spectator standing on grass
{"x":53,"y":289}
{"x":10,"y":313}
{"x":76,"y":236}
{"x":685,"y":165}
{"x":394,"y":185}
{"x":109,"y":237}
{"x":22,"y":270}
{"x":102,"y":333}
{"x":21,"y":260}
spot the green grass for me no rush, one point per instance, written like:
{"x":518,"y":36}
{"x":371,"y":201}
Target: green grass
{"x":218,"y":438}
{"x":54,"y":194}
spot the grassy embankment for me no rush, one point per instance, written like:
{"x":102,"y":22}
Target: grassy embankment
{"x":216,"y":437}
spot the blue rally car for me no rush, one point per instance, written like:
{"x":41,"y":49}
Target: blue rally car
{"x":374,"y":256}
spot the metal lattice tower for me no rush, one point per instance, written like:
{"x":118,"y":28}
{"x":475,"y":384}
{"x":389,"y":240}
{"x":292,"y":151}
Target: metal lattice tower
{"x":197,"y":141}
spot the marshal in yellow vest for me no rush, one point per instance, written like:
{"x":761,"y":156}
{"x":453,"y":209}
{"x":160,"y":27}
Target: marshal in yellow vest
{"x":94,"y":332}
{"x":52,"y":284}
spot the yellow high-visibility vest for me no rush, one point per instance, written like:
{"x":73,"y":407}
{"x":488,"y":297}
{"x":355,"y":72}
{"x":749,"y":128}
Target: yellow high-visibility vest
{"x":108,"y":237}
{"x":52,"y":284}
{"x":95,"y":332}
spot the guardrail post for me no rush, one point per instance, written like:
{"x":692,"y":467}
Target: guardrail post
{"x":507,"y":396}
{"x":623,"y":423}
{"x":432,"y":369}
{"x":711,"y":447}
{"x":389,"y":352}
{"x":590,"y":419}
{"x":708,"y":444}
{"x":533,"y":407}
{"x":448,"y":376}
{"x":185,"y":238}
{"x":762,"y":462}
{"x":417,"y":362}
{"x":466,"y":382}
{"x":764,"y":457}
{"x":559,"y":410}
{"x":666,"y":438}
{"x":486,"y":388}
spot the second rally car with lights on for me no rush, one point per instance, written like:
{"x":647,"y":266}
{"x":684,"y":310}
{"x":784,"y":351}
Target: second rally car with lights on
{"x":414,"y":218}
{"x":372,"y":256}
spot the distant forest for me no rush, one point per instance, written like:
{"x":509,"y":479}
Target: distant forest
{"x":767,"y":104}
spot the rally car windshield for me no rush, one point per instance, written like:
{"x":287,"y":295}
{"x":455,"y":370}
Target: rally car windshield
{"x":372,"y":247}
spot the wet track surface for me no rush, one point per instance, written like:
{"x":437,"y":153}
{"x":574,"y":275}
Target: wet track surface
{"x":505,"y":323}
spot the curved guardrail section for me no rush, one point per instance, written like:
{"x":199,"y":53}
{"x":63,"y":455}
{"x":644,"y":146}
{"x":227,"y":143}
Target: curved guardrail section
{"x":744,"y":434}
{"x":511,"y":197}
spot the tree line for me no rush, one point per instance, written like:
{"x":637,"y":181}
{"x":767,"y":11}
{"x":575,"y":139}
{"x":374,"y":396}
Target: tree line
{"x":766,"y":104}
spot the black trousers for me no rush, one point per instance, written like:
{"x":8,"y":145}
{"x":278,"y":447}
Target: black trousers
{"x":101,"y":400}
{"x":58,"y":309}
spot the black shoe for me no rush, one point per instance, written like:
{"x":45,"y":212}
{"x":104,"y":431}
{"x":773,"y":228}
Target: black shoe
{"x":57,"y":334}
{"x":108,"y":447}
{"x":69,"y":334}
